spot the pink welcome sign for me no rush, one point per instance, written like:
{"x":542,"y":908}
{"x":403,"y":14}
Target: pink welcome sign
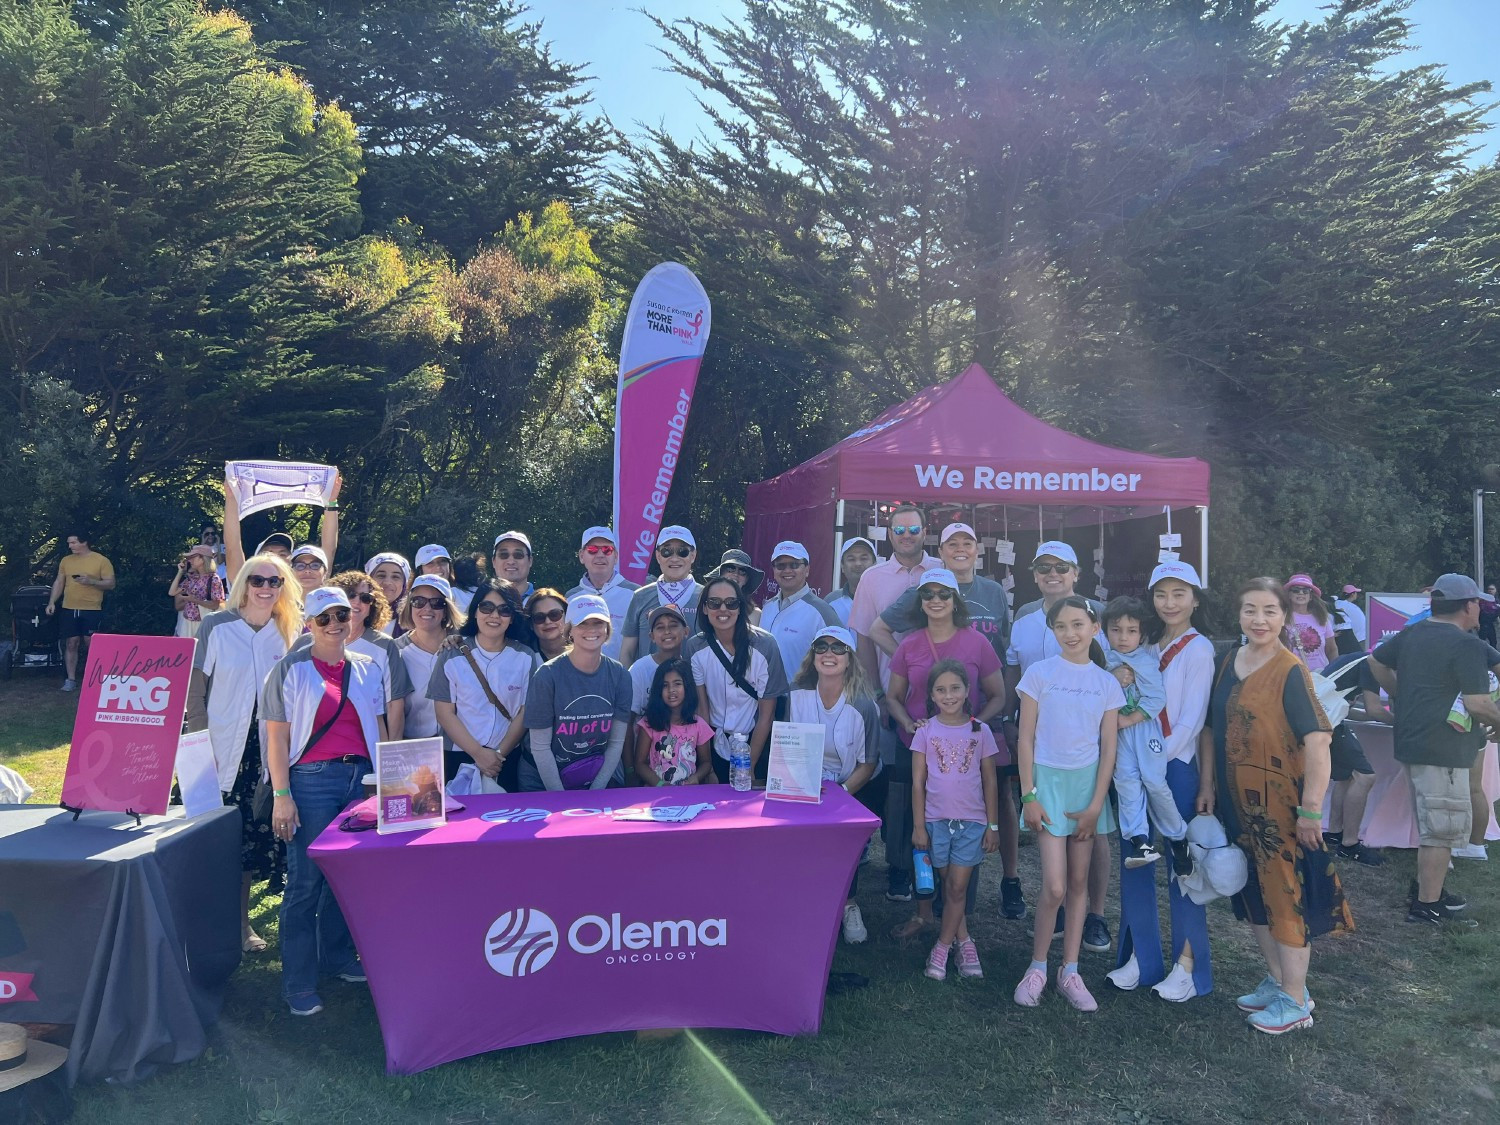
{"x":130,"y":707}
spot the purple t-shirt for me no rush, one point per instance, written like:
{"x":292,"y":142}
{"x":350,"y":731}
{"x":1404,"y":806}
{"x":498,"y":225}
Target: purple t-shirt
{"x":955,"y":788}
{"x":914,"y":658}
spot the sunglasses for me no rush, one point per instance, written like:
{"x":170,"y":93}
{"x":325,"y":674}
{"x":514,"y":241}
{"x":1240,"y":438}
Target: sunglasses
{"x":599,"y":549}
{"x":1299,"y":589}
{"x":721,"y":603}
{"x":906,"y":529}
{"x":306,"y":566}
{"x":1051,"y":568}
{"x":272,"y":580}
{"x":791,"y":564}
{"x":542,"y":615}
{"x":517,"y":554}
{"x":493,"y":608}
{"x":838,"y":648}
{"x":941,"y":594}
{"x":368,"y":599}
{"x":419,"y":601}
{"x":329,"y":616}
{"x":674,"y":552}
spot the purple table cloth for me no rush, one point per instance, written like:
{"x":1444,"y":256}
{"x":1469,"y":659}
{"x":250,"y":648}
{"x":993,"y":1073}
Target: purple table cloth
{"x":551,"y":918}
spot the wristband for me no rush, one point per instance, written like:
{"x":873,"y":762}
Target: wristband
{"x":331,"y":507}
{"x":660,"y":782}
{"x":1304,"y":814}
{"x":993,"y":827}
{"x":1029,"y":796}
{"x":281,"y":792}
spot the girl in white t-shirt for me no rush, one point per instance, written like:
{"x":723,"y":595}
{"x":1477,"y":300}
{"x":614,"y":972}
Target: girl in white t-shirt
{"x":1069,"y":709}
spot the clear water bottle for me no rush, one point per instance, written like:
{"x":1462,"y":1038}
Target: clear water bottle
{"x":739,"y":762}
{"x":921,"y":862}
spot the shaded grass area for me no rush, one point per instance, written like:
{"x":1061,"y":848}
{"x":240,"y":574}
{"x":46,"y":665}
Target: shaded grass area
{"x":1408,"y":1029}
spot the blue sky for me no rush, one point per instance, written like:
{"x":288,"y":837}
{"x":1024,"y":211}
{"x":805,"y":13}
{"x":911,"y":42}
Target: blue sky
{"x":618,"y":45}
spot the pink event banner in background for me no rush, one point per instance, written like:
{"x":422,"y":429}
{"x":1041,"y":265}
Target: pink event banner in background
{"x":666,"y":332}
{"x":1389,"y":613}
{"x":130,"y":705}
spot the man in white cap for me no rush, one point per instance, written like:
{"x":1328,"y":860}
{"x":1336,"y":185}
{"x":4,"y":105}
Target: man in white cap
{"x":855,"y":557}
{"x":1424,"y":669}
{"x":510,"y":559}
{"x":989,"y":614}
{"x":1055,"y":568}
{"x":879,"y":587}
{"x":599,"y":553}
{"x":795,"y":614}
{"x":676,"y":550}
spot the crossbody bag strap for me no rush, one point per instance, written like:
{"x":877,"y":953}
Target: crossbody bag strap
{"x":343,"y":697}
{"x":740,"y":681}
{"x":484,"y":683}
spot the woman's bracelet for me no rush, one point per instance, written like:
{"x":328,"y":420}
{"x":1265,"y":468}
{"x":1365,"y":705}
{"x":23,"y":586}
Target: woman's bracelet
{"x":281,"y":792}
{"x":1306,"y":814}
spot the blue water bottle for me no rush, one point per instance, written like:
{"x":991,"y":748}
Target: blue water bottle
{"x":739,"y":762}
{"x":921,"y":861}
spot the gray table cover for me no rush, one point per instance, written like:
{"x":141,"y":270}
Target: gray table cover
{"x":130,"y":932}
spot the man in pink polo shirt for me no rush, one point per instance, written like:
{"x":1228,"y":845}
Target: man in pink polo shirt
{"x":878,"y":590}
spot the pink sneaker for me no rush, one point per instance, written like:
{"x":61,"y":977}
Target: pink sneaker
{"x":968,"y":960}
{"x":937,"y":963}
{"x":1077,"y":992}
{"x":1029,"y":991}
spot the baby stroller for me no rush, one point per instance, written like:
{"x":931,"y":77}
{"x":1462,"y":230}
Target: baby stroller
{"x":33,"y":633}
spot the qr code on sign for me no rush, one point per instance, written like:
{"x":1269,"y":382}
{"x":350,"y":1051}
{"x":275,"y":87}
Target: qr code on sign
{"x":774,"y":783}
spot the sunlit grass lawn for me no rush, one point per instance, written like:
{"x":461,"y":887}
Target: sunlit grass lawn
{"x":1408,"y":1029}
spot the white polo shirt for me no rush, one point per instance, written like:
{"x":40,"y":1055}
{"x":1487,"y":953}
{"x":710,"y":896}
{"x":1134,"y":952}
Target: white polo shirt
{"x":794,"y":623}
{"x":508,"y":673}
{"x":236,"y":658}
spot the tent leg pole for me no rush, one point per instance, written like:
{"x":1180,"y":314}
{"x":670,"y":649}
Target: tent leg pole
{"x":838,"y":544}
{"x":1203,"y":544}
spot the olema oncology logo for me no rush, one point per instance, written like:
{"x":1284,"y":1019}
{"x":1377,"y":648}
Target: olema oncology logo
{"x":524,"y":941}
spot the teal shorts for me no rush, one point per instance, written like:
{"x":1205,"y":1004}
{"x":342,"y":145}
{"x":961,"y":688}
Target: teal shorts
{"x":1065,"y":791}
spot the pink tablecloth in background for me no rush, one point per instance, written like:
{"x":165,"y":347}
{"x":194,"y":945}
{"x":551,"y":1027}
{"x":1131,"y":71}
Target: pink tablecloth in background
{"x":1390,"y":821}
{"x":551,"y":918}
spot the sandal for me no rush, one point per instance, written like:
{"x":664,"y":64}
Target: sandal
{"x":254,"y":943}
{"x":912,"y":927}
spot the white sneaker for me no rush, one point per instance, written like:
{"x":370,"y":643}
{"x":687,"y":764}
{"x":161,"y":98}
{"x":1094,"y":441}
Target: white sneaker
{"x":69,"y":685}
{"x":854,"y":924}
{"x":1471,"y":851}
{"x":1127,"y":976}
{"x":1177,"y":987}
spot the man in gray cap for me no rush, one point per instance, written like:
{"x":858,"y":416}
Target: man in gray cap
{"x":1429,"y":669}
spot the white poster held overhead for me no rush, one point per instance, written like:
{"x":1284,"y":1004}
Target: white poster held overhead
{"x":795,"y":769}
{"x":259,"y":485}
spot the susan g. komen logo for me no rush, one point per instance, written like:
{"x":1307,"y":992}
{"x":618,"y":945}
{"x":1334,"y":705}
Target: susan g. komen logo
{"x":520,"y":942}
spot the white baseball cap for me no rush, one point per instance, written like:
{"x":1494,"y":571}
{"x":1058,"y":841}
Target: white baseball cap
{"x":953,"y":529}
{"x":388,"y":557}
{"x":1058,"y":550}
{"x":837,"y":633}
{"x":323,"y":599}
{"x":858,"y":541}
{"x":437,"y":582}
{"x":600,"y":532}
{"x":1177,"y":569}
{"x":309,"y":549}
{"x":939,"y":576}
{"x":585,"y":606}
{"x":790,"y":549}
{"x":676,"y":531}
{"x":518,"y":536}
{"x":432,"y":552}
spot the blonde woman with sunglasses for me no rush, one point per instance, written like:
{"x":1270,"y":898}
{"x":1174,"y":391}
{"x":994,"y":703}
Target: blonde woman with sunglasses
{"x":237,"y":647}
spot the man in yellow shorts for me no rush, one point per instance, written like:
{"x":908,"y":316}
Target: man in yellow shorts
{"x":82,"y":577}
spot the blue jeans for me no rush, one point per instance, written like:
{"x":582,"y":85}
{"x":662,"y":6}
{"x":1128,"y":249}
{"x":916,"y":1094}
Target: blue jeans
{"x":314,"y":935}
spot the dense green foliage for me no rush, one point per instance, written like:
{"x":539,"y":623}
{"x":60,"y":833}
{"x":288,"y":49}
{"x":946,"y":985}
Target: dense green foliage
{"x":379,"y":236}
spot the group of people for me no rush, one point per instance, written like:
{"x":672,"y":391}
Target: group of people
{"x":959,"y":723}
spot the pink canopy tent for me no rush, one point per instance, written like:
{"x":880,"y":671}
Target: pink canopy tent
{"x":965,"y":442}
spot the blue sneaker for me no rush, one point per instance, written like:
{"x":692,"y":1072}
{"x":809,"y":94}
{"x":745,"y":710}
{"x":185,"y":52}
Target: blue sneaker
{"x":1281,"y":1015}
{"x":307,"y":1004}
{"x":1266,"y":991}
{"x":354,"y":974}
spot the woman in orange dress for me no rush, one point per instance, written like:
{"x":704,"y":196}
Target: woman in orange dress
{"x":1269,"y":740}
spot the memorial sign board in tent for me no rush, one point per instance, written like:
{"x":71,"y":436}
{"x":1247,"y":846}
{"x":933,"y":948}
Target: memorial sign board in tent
{"x":130,"y":706}
{"x":966,"y":442}
{"x":666,"y":332}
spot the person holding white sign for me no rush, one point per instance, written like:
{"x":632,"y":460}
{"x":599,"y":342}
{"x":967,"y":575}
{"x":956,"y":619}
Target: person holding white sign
{"x":832,"y":690}
{"x":234,"y":541}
